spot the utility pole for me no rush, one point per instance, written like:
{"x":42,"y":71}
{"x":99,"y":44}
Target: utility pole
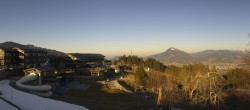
{"x":131,"y":52}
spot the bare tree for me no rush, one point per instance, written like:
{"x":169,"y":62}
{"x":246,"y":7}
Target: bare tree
{"x":247,"y":58}
{"x":205,"y":89}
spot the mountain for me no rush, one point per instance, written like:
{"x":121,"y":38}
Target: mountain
{"x":13,"y":44}
{"x":218,"y":56}
{"x":179,"y":57}
{"x":173,"y":56}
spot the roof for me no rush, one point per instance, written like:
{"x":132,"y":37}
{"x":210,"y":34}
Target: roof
{"x":83,"y":56}
{"x":79,"y":55}
{"x":32,"y":50}
{"x":6,"y":49}
{"x":45,"y":68}
{"x":31,"y":69}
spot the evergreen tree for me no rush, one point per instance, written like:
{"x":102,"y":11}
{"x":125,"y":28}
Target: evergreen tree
{"x":140,"y":76}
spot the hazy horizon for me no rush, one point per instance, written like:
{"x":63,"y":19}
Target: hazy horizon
{"x":115,"y":27}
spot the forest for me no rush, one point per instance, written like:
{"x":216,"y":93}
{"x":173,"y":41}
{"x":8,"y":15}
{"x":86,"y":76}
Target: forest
{"x":189,"y":86}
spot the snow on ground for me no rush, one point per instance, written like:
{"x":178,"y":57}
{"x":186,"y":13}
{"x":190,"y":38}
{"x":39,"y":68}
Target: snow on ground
{"x":6,"y":106}
{"x":28,"y":101}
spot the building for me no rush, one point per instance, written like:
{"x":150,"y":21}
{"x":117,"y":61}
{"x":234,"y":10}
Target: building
{"x":13,"y":58}
{"x":9,"y":58}
{"x":55,"y":61}
{"x":46,"y":71}
{"x":82,"y":63}
{"x":30,"y":58}
{"x":94,"y":60}
{"x":47,"y":76}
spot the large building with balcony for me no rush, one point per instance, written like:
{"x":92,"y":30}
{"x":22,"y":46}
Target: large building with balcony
{"x":31,"y":58}
{"x":83,"y":63}
{"x":9,"y":58}
{"x":13,"y":58}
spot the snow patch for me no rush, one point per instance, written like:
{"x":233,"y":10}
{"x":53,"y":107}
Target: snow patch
{"x":172,"y":48}
{"x":28,"y":101}
{"x":5,"y":106}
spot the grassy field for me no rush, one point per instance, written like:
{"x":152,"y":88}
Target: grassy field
{"x":100,"y":97}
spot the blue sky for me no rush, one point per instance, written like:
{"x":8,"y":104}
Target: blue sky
{"x":114,"y":27}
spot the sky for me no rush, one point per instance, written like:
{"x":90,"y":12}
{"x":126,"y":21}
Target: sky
{"x":115,"y":27}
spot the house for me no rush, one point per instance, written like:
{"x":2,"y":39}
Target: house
{"x":47,"y":76}
{"x":30,"y":58}
{"x":8,"y":58}
{"x":46,"y":71}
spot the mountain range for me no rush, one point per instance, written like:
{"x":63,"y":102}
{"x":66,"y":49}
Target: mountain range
{"x":170,"y":56}
{"x":177,"y":57}
{"x":10,"y":44}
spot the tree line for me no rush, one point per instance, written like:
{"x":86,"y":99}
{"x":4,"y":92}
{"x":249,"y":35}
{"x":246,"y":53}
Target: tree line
{"x":138,"y":61}
{"x":188,"y":85}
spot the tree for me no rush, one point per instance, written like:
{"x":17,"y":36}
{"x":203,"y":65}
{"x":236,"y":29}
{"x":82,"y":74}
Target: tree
{"x":154,"y":64}
{"x":115,"y":62}
{"x":238,"y":78}
{"x":140,"y":77}
{"x":205,"y":89}
{"x":156,"y":80}
{"x":131,"y":60}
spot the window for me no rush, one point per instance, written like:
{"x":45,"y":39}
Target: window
{"x":6,"y":54}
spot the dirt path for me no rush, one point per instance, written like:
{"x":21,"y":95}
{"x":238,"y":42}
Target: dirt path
{"x":114,"y":84}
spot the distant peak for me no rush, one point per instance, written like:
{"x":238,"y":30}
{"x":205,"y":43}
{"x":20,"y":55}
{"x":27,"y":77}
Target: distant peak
{"x":172,"y":49}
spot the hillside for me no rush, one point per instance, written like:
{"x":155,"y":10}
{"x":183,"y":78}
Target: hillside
{"x":179,"y":57}
{"x":218,"y":56}
{"x":13,"y":44}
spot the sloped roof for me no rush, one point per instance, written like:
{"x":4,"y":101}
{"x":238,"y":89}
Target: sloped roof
{"x":6,"y":49}
{"x":31,"y":50}
{"x":39,"y":69}
{"x":83,"y":56}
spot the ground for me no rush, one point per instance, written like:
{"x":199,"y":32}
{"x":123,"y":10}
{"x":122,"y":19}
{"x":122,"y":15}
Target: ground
{"x":100,"y":97}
